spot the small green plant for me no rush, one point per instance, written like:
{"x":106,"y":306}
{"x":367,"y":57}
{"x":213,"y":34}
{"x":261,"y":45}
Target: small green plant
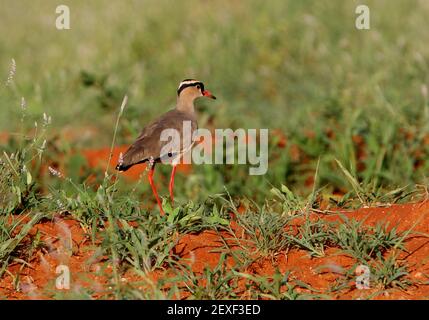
{"x":19,"y":169}
{"x":364,"y":242}
{"x":145,"y":247}
{"x":279,"y":287}
{"x":264,"y":230}
{"x":193,"y":217}
{"x":217,"y":283}
{"x":12,"y":233}
{"x":390,"y":273}
{"x":312,"y":236}
{"x":17,"y":187}
{"x":289,"y":203}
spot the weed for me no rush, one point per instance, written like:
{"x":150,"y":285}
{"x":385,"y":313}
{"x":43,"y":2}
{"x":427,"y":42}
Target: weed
{"x":364,"y":242}
{"x":265,"y":231}
{"x":312,"y":236}
{"x":389,"y":273}
{"x":216,"y":283}
{"x":279,"y":287}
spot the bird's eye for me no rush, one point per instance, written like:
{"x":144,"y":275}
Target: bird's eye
{"x":198,"y":87}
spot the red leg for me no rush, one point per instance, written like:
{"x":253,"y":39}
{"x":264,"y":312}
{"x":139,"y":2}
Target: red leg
{"x":150,"y":175}
{"x":173,"y":172}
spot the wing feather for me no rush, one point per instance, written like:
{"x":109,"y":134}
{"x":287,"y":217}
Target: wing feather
{"x":149,"y":145}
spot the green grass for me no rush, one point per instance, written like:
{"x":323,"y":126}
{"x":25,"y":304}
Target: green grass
{"x":363,"y":242}
{"x":279,"y":287}
{"x":213,"y":283}
{"x":12,"y":233}
{"x":324,"y":88}
{"x":264,"y":231}
{"x":352,"y":104}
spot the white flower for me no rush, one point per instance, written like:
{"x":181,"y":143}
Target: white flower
{"x":55,"y":172}
{"x":46,"y":119}
{"x":23,"y":104}
{"x":124,"y":103}
{"x":12,"y":72}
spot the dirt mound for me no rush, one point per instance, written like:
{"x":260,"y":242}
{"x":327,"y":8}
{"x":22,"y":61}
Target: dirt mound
{"x":66,"y":243}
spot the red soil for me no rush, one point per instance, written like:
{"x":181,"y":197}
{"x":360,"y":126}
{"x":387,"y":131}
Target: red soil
{"x":88,"y":267}
{"x":202,"y":250}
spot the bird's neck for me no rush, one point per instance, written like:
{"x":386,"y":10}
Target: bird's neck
{"x":185,"y":105}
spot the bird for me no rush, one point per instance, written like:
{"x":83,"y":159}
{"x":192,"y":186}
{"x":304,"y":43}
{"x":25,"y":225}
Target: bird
{"x":148,"y":147}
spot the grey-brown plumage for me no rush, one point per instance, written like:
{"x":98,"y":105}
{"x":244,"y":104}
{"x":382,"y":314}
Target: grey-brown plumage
{"x":148,"y":145}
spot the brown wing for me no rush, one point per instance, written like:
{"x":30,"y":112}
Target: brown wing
{"x":148,"y":144}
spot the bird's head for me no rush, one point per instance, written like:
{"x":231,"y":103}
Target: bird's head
{"x":191,"y":89}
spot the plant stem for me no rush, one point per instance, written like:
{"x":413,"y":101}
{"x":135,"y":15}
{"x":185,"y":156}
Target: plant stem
{"x":124,"y":103}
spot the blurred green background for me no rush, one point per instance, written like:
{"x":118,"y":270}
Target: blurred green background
{"x":335,"y":92}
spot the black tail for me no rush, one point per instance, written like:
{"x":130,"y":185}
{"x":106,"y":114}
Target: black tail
{"x":121,"y":167}
{"x":124,"y":167}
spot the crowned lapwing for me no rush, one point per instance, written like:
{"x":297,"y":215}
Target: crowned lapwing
{"x":149,"y":146}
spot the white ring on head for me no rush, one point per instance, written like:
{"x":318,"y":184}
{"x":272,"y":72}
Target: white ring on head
{"x":187,"y":82}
